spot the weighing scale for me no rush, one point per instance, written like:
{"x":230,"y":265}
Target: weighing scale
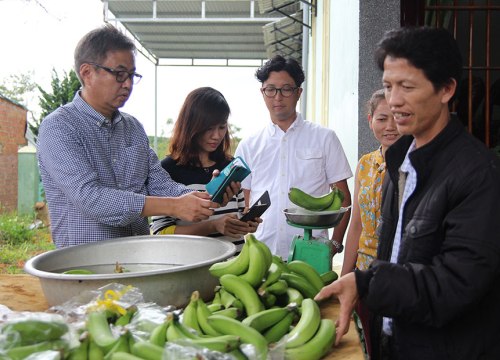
{"x":316,"y":251}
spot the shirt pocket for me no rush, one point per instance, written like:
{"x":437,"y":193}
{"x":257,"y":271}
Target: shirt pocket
{"x":423,"y":240}
{"x":132,"y":168}
{"x":309,"y":162}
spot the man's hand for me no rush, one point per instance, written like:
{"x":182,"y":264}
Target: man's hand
{"x":194,"y":206}
{"x":346,"y":291}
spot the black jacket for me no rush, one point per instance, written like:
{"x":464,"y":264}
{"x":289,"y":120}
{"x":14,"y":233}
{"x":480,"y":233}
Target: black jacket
{"x":444,"y":292}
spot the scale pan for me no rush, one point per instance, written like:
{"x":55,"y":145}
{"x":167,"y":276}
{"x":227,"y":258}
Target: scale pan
{"x":319,"y":219}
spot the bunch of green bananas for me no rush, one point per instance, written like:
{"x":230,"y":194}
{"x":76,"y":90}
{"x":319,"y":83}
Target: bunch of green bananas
{"x":21,"y":338}
{"x":329,"y":202}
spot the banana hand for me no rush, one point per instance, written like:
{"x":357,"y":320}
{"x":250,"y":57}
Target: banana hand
{"x":317,"y":347}
{"x":243,"y":291}
{"x":309,"y":202}
{"x":307,"y":326}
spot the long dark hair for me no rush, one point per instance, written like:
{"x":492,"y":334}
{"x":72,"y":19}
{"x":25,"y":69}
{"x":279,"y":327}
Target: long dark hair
{"x":203,"y":108}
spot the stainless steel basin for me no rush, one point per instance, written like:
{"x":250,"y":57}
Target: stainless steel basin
{"x":167,"y":269}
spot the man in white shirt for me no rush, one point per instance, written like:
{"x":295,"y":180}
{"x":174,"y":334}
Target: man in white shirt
{"x":291,"y":152}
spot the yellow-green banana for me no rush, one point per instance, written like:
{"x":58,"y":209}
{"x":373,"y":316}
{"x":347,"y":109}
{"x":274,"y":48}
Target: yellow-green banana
{"x":266,"y":318}
{"x":309,"y":202}
{"x":22,"y":352}
{"x":80,"y":352}
{"x":317,"y":347}
{"x":159,"y":334}
{"x":236,"y":265}
{"x":300,"y":283}
{"x":229,"y":300}
{"x":281,"y":264}
{"x":120,"y":355}
{"x":95,"y":351}
{"x":243,"y":291}
{"x":121,"y":345}
{"x":99,"y":329}
{"x":258,"y":265}
{"x":294,"y":296}
{"x":231,"y":312}
{"x":265,"y":249}
{"x":273,"y":274}
{"x":308,"y":272}
{"x":202,"y":313}
{"x":213,"y":307}
{"x":189,"y":315}
{"x":247,"y":334}
{"x":277,"y":288}
{"x":329,"y":277}
{"x":307,"y":325}
{"x":177,"y":330}
{"x":280,"y":329}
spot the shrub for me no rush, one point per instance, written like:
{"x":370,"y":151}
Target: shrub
{"x":14,"y":229}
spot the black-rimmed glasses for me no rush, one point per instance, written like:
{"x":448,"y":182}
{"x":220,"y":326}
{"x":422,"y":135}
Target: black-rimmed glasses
{"x":120,"y":75}
{"x":285,"y":91}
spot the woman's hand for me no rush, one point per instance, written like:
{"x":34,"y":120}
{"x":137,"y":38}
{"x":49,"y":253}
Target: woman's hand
{"x":230,"y":225}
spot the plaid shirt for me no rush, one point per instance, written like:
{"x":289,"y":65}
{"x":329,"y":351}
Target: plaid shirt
{"x":97,"y":174}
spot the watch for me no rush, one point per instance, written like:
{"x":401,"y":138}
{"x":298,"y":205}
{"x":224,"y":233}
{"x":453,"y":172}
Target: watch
{"x":338,"y":246}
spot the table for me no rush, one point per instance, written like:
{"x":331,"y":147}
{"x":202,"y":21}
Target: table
{"x":24,"y":293}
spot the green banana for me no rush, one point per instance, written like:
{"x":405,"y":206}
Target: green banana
{"x":236,"y":265}
{"x":221,"y":343}
{"x":258,"y":265}
{"x":294,"y":296}
{"x":231,"y":312}
{"x":32,"y":331}
{"x":99,"y":329}
{"x":125,"y":318}
{"x":80,"y":352}
{"x":337,"y":200}
{"x":213,"y":307}
{"x":121,"y":345}
{"x":126,"y":356}
{"x":307,"y":325}
{"x":229,"y":300}
{"x":329,"y":277}
{"x":243,"y":291}
{"x":281,"y":264}
{"x":273,"y":274}
{"x":95,"y":352}
{"x":216,"y":300}
{"x":309,"y":202}
{"x":178,"y":330}
{"x":189,"y":315}
{"x":268,"y":299}
{"x":268,"y":256}
{"x":277,"y":288}
{"x":300,"y":283}
{"x":159,"y":334}
{"x":146,"y":350}
{"x":266,"y":318}
{"x":308,"y":272}
{"x":318,"y":346}
{"x":280,"y":329}
{"x":78,"y":272}
{"x":247,"y":334}
{"x":22,"y":352}
{"x":202,"y":313}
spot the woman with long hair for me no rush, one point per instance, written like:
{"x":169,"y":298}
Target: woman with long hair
{"x":200,"y":145}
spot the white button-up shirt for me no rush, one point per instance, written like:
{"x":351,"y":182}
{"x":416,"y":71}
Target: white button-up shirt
{"x":307,"y":156}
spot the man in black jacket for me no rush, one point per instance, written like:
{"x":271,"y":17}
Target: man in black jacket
{"x":434,"y":289}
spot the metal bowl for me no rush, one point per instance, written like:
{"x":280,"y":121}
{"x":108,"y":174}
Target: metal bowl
{"x":320,"y":219}
{"x":166,"y":269}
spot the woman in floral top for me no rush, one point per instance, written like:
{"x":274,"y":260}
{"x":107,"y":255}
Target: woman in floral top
{"x":362,"y":241}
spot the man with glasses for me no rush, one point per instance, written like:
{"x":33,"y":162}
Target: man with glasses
{"x":291,"y":152}
{"x":101,"y":178}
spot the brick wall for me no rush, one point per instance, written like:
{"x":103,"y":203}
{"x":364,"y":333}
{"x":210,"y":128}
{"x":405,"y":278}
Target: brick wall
{"x":12,"y":130}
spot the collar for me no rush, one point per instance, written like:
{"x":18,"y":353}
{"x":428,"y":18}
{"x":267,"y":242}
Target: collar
{"x":93,"y":115}
{"x":273,"y":129}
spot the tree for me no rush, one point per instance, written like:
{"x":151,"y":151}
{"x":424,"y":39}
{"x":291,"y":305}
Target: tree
{"x":63,"y":91}
{"x":18,"y":87}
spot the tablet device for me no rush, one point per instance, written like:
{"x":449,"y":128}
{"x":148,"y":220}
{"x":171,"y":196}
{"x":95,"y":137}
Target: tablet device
{"x":258,"y":208}
{"x":236,"y":171}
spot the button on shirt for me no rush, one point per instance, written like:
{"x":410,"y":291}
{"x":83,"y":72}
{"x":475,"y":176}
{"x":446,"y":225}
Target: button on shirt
{"x":409,"y":187}
{"x":97,"y":174}
{"x":306,"y":156}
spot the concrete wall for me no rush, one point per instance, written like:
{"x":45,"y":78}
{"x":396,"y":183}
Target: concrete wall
{"x":12,"y":130}
{"x":375,"y":18}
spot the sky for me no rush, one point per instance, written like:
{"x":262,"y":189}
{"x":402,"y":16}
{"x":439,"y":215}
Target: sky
{"x":41,"y":35}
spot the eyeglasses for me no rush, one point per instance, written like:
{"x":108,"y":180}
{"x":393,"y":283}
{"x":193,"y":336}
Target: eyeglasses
{"x":120,"y":75}
{"x":285,"y":91}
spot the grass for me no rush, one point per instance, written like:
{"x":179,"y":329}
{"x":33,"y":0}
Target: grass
{"x":18,"y":242}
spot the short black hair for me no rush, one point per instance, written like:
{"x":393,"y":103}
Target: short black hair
{"x":432,"y":50}
{"x":279,"y":63}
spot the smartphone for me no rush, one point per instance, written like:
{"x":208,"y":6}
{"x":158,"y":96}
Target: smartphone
{"x":258,"y":208}
{"x":237,"y":170}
